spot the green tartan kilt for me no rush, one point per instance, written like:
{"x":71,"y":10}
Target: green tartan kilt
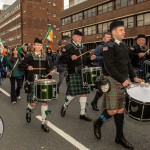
{"x":115,"y":98}
{"x":30,"y":96}
{"x":75,"y":85}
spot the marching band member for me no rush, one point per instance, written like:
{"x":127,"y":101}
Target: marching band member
{"x":36,"y":59}
{"x":138,"y":54}
{"x":74,"y":78}
{"x":118,"y":69}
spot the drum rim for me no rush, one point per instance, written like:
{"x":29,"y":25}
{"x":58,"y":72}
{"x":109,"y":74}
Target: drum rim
{"x":45,"y":81}
{"x":92,"y":69}
{"x":141,"y":102}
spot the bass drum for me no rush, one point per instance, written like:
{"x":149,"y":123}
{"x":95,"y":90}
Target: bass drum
{"x":138,"y":103}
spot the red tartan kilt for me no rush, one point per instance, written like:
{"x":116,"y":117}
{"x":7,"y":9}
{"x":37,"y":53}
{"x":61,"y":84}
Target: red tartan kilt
{"x":115,"y":98}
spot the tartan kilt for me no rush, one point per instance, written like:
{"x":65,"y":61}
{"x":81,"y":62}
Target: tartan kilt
{"x":75,"y":85}
{"x":115,"y":98}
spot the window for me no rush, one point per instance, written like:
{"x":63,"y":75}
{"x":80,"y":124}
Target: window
{"x":80,"y":16}
{"x":130,"y":22}
{"x":140,"y":20}
{"x":100,"y":10}
{"x":54,"y":15}
{"x":85,"y":31}
{"x":110,"y":6}
{"x":147,"y":19}
{"x":73,"y":18}
{"x":66,"y":34}
{"x":123,"y":3}
{"x":100,"y":28}
{"x":62,"y":21}
{"x":54,"y":4}
{"x":85,"y":14}
{"x":92,"y":30}
{"x":94,"y":11}
{"x":139,"y":1}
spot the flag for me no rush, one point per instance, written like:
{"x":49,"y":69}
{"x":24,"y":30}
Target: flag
{"x":49,"y":35}
{"x":20,"y":50}
{"x":1,"y":43}
{"x":1,"y":46}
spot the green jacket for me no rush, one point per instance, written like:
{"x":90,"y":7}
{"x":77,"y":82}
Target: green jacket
{"x":16,"y":73}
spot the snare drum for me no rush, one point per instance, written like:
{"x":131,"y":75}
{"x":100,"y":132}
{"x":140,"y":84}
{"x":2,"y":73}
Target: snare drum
{"x":45,"y":90}
{"x":138,"y":103}
{"x":90,"y":74}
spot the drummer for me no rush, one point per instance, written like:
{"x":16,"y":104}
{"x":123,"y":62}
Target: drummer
{"x":117,"y":68}
{"x":71,"y":55}
{"x":37,"y":66}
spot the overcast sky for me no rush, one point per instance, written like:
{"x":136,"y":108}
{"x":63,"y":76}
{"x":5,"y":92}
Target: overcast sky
{"x":9,"y":2}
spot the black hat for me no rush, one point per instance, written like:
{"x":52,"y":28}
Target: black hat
{"x":116,"y":24}
{"x":36,"y":40}
{"x":77,"y":32}
{"x":140,"y":36}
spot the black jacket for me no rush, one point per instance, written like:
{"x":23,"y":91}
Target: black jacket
{"x":116,"y":61}
{"x":133,"y":53}
{"x":71,"y":49}
{"x":29,"y":60}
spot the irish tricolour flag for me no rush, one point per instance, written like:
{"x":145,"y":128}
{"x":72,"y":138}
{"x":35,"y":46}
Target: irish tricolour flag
{"x":49,"y":35}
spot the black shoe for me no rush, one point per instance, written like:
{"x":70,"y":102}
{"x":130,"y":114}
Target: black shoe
{"x":91,"y":87}
{"x":28,"y":116}
{"x":122,"y":141}
{"x":57,"y":91}
{"x":94,"y":106}
{"x":63,"y":111}
{"x":86,"y":118}
{"x":97,"y":130}
{"x":45,"y":127}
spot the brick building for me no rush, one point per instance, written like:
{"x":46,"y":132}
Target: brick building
{"x":93,"y":17}
{"x":26,"y":19}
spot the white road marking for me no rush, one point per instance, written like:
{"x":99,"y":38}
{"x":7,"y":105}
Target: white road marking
{"x":59,"y":131}
{"x":7,"y":94}
{"x":65,"y":136}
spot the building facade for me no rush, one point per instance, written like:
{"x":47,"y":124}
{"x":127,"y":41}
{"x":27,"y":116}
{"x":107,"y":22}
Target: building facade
{"x":94,"y":17}
{"x":26,"y":19}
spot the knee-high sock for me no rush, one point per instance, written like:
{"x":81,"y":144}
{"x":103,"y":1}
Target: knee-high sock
{"x":97,"y":96}
{"x":119,"y":121}
{"x":30,"y":108}
{"x":68,"y":100}
{"x":82,"y":101}
{"x":103,"y":117}
{"x":44,"y":109}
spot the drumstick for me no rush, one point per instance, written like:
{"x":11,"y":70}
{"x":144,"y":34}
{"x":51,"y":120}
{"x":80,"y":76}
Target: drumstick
{"x":85,"y":53}
{"x":147,"y":51}
{"x":39,"y":68}
{"x":47,"y":75}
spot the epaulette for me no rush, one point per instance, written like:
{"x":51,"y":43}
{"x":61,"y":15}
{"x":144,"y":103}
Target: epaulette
{"x":109,"y":44}
{"x":68,"y":46}
{"x":132,"y":48}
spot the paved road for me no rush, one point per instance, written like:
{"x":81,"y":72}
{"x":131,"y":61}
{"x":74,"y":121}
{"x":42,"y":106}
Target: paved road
{"x":68,"y":133}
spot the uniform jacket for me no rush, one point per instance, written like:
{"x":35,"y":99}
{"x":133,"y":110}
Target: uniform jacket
{"x":71,"y":49}
{"x":30,"y":60}
{"x":116,"y":61}
{"x":133,"y":53}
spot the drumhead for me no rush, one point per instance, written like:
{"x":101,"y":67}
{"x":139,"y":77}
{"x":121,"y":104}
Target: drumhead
{"x":139,"y":93}
{"x":45,"y":81}
{"x":90,"y":69}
